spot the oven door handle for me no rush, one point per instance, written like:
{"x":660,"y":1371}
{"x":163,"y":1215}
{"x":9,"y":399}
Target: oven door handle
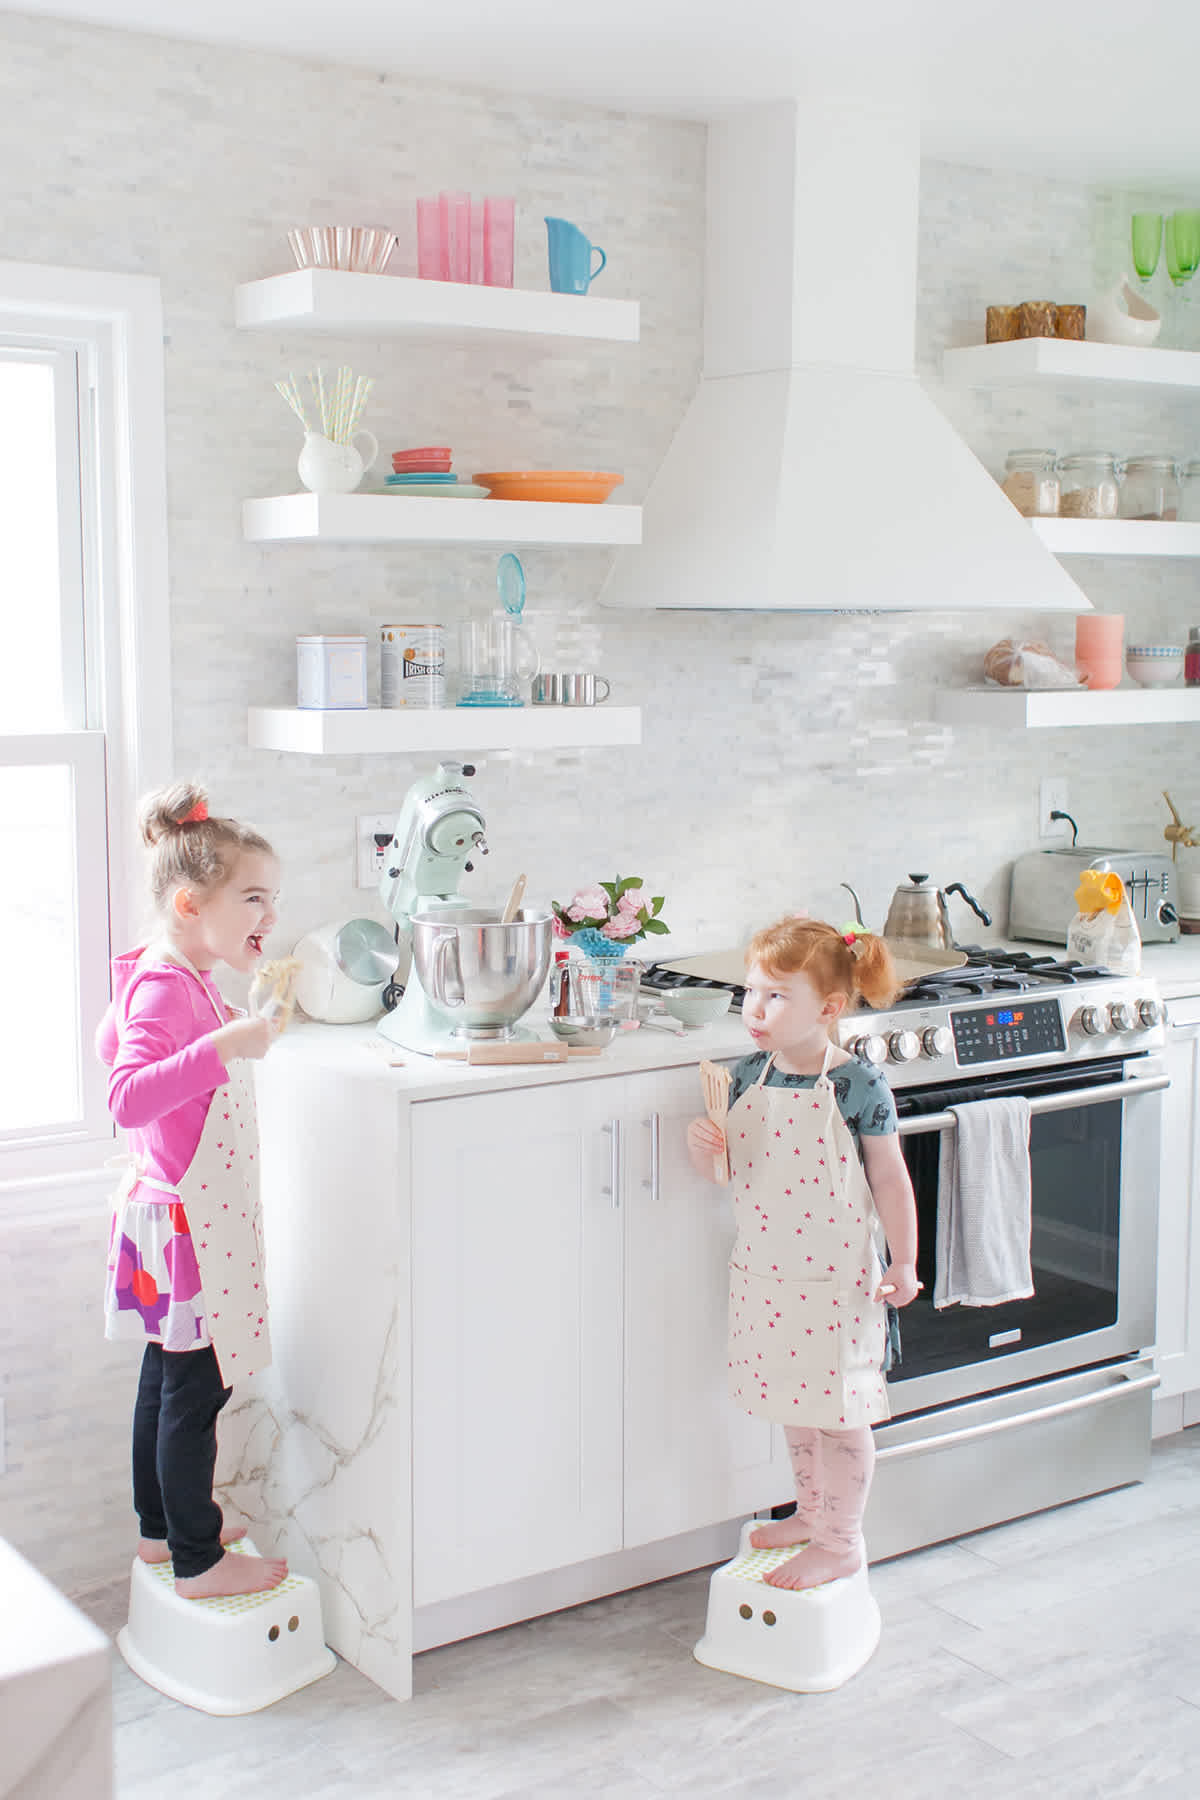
{"x":1065,"y":1102}
{"x":971,"y":1432}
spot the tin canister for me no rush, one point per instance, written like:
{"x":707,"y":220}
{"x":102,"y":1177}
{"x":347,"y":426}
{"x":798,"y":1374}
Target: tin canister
{"x":412,"y":665}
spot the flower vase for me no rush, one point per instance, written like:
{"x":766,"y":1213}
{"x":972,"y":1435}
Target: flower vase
{"x":593,"y":942}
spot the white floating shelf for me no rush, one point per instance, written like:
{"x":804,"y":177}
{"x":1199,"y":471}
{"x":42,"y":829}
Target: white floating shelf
{"x":373,"y":729}
{"x":1020,"y":709}
{"x":395,"y":519}
{"x":1118,"y":537}
{"x":338,"y":300}
{"x":1064,"y":360}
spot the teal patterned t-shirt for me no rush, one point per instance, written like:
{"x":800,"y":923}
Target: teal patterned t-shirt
{"x":862,"y":1093}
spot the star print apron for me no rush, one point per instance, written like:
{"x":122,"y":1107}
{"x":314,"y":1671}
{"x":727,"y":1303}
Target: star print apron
{"x":806,"y":1339}
{"x":198,"y":1253}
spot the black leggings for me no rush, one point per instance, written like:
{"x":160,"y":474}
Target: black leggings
{"x":175,"y":1453}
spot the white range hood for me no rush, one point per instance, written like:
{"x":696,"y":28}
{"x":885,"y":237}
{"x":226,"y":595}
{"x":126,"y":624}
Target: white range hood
{"x":811,"y":471}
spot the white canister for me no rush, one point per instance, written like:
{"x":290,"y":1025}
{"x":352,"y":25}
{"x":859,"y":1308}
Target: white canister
{"x":331,"y":672}
{"x":412,"y":665}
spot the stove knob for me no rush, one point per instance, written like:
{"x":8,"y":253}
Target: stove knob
{"x":870,"y":1049}
{"x":903,"y":1046}
{"x":1149,"y":1014}
{"x":1121,"y":1015}
{"x":937,"y":1040}
{"x":1090,"y":1021}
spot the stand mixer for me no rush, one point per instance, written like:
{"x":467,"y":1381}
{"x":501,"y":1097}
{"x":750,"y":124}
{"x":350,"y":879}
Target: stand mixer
{"x":472,"y":976}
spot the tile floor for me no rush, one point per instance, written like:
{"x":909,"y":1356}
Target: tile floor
{"x":1055,"y":1656}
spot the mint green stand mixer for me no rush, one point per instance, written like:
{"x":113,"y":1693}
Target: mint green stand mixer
{"x":472,"y":975}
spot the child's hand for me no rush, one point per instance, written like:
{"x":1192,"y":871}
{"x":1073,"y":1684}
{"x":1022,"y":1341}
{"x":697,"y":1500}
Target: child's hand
{"x":245,"y":1038}
{"x":705,"y":1142}
{"x":899,"y":1284}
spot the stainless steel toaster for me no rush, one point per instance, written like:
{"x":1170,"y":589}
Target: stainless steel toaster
{"x":1042,"y":895}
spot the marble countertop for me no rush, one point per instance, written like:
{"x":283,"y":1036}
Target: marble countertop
{"x":359,"y":1050}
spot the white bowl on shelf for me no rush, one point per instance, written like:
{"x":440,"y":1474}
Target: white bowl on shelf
{"x":1123,"y":316}
{"x":1154,"y":665}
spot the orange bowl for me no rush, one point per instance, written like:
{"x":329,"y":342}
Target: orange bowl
{"x":588,"y":486}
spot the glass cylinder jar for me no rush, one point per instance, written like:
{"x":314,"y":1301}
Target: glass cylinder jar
{"x":1191,"y":657}
{"x":1031,"y":482}
{"x":1088,"y":485}
{"x":1189,"y":492}
{"x":1150,"y":489}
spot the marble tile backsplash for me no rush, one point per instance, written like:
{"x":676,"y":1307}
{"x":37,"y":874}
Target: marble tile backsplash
{"x":781,"y":756}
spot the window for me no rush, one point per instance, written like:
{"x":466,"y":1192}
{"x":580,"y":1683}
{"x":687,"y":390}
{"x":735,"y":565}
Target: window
{"x":84,"y":723}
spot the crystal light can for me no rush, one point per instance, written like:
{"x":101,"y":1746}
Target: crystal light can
{"x":412,"y":665}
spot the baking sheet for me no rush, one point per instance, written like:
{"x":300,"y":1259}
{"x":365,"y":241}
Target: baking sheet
{"x":912,"y":962}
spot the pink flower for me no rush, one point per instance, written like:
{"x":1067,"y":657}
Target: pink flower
{"x":559,"y":928}
{"x":589,"y":903}
{"x":630,"y":902}
{"x":625,"y":925}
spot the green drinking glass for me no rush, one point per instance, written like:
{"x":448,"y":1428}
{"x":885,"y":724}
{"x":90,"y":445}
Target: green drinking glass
{"x":1145,"y":237}
{"x":1187,"y":242}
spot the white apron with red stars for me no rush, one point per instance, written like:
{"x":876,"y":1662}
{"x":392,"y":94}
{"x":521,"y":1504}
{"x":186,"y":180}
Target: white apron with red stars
{"x":806,"y":1338}
{"x":220,"y":1199}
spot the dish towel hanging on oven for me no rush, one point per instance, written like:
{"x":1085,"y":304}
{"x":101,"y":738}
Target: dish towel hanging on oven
{"x":984,"y":1216}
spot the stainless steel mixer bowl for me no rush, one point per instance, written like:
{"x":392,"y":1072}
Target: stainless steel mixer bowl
{"x":480,"y":975}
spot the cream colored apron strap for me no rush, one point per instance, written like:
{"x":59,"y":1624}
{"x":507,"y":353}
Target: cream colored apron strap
{"x":767,"y":1067}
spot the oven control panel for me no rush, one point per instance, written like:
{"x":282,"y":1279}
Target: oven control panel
{"x":1022,"y":1028}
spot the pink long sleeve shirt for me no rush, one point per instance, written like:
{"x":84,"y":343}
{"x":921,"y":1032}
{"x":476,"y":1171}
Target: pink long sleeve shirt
{"x":156,"y":1037}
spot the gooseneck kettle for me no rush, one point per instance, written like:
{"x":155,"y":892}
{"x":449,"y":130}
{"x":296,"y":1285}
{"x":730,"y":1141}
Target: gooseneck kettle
{"x":919,"y":913}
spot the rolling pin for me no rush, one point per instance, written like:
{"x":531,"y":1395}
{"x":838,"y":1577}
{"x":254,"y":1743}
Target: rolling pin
{"x":543,"y":1052}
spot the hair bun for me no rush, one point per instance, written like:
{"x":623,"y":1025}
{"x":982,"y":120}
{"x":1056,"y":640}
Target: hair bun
{"x":166,"y":809}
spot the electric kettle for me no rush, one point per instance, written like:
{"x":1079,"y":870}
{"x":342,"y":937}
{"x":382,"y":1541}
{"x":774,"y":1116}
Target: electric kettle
{"x":919,"y":913}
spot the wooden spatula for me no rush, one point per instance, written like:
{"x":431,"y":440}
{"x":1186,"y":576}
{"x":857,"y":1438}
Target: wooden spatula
{"x":715,"y":1079}
{"x":513,"y":901}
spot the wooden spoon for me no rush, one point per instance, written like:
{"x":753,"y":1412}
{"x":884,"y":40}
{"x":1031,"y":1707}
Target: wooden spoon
{"x":513,"y":901}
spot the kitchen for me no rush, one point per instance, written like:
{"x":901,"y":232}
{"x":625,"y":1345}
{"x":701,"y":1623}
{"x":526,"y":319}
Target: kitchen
{"x":763,"y":737}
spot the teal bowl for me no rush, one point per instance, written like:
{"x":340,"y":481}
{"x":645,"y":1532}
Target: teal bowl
{"x":696,"y":1006}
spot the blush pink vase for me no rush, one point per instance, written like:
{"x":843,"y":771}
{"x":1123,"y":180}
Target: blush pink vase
{"x":1098,"y":642}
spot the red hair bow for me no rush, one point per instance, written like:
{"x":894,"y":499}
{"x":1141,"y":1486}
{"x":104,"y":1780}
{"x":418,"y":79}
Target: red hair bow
{"x":197,"y":815}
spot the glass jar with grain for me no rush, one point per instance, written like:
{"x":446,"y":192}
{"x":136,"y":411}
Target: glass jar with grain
{"x":1189,"y":493}
{"x":1031,"y":482}
{"x":1089,"y":487}
{"x":1150,"y":489}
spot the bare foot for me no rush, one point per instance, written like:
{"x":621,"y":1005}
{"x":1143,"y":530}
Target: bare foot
{"x":813,"y":1567}
{"x":154,"y":1550}
{"x":780,"y":1533}
{"x":234,"y":1575}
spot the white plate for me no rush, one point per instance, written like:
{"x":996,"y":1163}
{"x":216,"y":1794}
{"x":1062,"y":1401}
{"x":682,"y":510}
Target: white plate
{"x":439,"y":490}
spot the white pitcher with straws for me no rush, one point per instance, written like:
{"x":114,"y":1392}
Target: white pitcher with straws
{"x":329,"y":462}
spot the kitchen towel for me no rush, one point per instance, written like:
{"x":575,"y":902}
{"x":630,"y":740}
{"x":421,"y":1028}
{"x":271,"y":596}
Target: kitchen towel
{"x":984,"y":1217}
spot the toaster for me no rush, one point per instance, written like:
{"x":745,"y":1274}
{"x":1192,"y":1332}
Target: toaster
{"x":1041,"y":901}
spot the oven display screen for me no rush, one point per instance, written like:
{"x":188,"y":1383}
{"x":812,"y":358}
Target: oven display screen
{"x":988,"y":1034}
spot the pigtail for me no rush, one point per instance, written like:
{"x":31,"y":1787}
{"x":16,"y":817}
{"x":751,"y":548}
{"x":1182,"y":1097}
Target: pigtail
{"x":875,"y":975}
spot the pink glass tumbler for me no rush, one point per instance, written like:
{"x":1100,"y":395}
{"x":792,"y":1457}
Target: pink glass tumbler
{"x":498,"y":234}
{"x":432,"y":264}
{"x":1098,"y":640}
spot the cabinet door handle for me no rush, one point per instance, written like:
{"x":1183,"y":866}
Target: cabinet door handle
{"x":655,"y":1146}
{"x":613,"y":1190}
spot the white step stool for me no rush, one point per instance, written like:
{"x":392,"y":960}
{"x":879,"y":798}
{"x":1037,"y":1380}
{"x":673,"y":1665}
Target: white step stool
{"x":807,"y":1639}
{"x":233,"y":1655}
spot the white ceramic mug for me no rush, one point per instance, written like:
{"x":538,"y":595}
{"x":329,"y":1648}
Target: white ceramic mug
{"x":329,"y":468}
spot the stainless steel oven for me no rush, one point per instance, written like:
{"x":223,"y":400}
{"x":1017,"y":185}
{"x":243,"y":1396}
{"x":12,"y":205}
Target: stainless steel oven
{"x":1001,"y":1410}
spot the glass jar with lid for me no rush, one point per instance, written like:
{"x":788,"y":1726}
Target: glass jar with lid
{"x":1089,"y":486}
{"x":1031,"y":482}
{"x":1189,"y":492}
{"x":1150,"y":489}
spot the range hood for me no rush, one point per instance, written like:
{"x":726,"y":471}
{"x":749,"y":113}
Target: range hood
{"x":811,"y":471}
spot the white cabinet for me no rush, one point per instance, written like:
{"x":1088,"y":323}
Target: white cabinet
{"x":1178,"y":1330}
{"x":691,"y":1457}
{"x":569,"y":1362}
{"x":516,"y":1273}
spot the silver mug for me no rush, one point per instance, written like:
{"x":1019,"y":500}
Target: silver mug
{"x":570,"y":688}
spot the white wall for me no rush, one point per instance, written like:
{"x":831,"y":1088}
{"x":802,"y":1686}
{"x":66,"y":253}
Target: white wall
{"x":781,"y":754}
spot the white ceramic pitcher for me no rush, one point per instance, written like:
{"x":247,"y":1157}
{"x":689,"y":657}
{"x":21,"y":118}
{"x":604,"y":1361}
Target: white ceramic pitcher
{"x":329,"y":468}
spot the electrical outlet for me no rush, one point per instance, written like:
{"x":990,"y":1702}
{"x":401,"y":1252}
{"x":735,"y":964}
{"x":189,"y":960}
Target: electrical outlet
{"x":369,"y":829}
{"x":1052,"y":797}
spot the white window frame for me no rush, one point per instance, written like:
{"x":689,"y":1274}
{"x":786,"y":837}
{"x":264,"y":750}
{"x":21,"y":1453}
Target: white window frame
{"x":116,"y":320}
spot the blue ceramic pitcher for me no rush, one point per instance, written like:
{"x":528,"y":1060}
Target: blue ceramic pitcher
{"x":571,"y":254}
